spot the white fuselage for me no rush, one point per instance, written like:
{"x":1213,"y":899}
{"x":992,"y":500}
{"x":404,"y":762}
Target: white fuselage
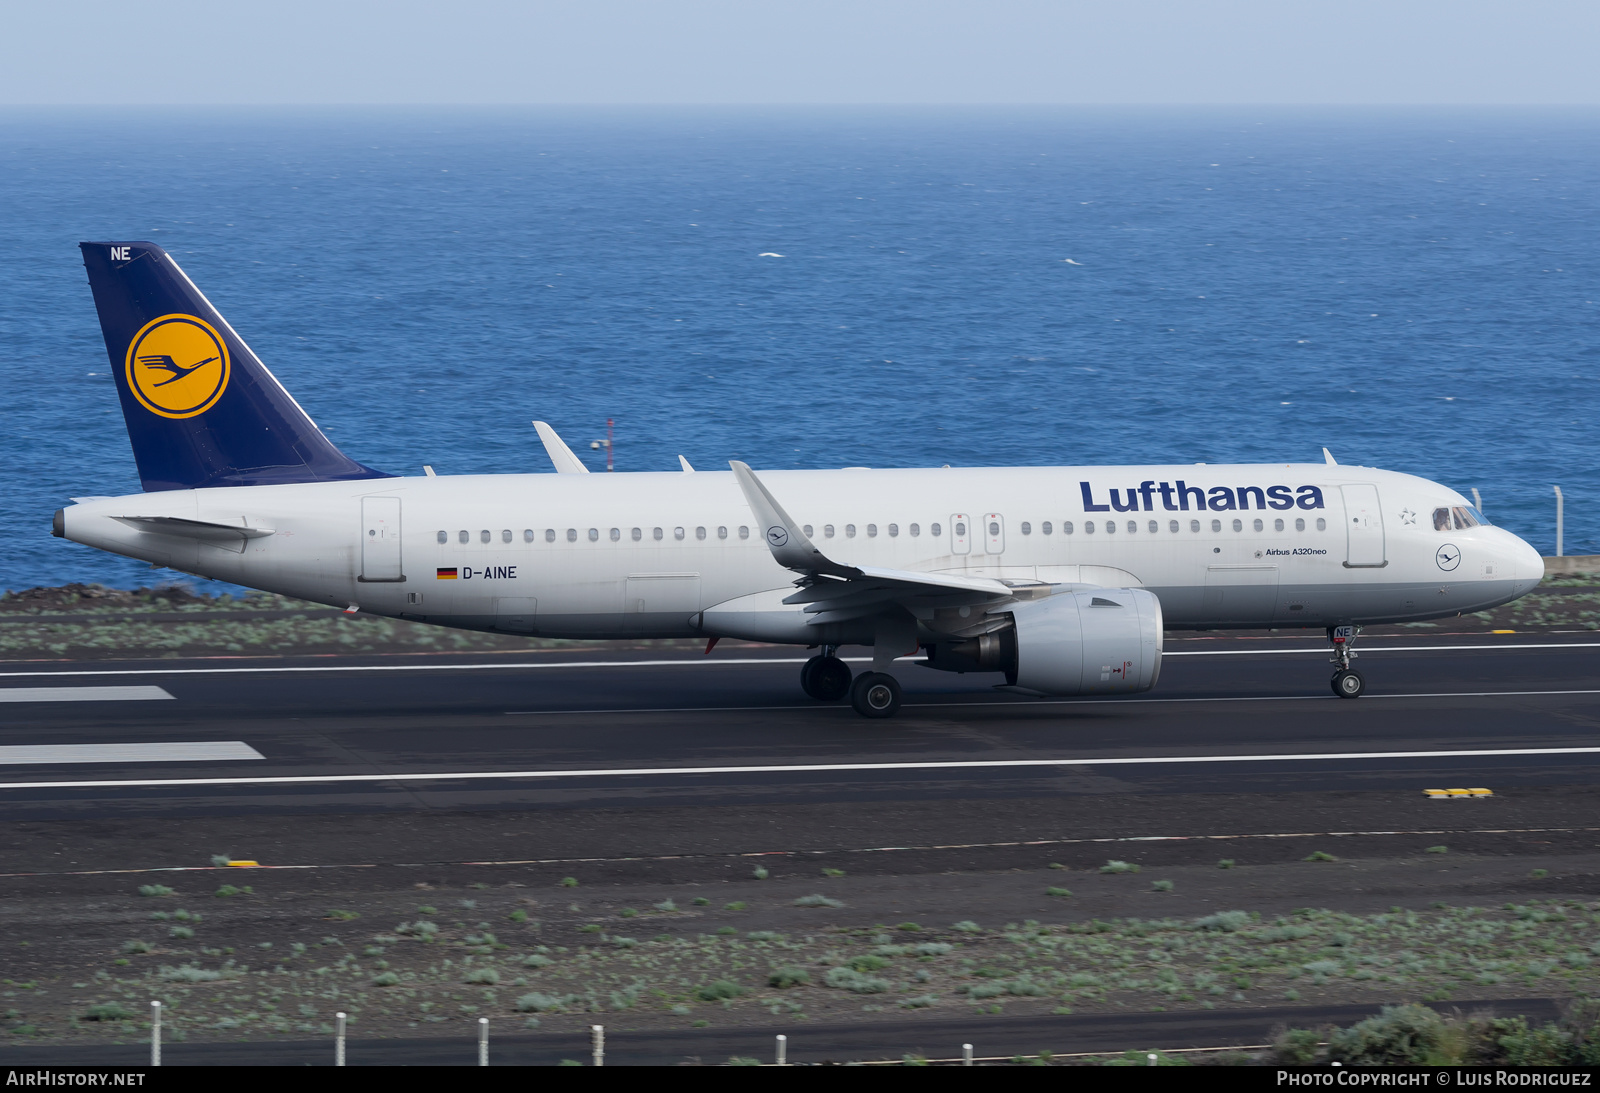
{"x":680,"y":554}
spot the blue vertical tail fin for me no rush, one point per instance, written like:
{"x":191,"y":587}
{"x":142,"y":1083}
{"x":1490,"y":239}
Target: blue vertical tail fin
{"x":202,"y":410}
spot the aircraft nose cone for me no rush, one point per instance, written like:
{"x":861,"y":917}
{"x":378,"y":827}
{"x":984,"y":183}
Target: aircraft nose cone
{"x":1526,"y":562}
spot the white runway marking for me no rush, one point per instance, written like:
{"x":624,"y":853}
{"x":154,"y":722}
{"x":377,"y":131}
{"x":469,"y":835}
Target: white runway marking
{"x":1022,"y":702}
{"x":715,"y":662}
{"x":180,"y":751}
{"x":803,"y":768}
{"x":82,"y":694}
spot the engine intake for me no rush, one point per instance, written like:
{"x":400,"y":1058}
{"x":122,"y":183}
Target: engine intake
{"x":1094,"y":641}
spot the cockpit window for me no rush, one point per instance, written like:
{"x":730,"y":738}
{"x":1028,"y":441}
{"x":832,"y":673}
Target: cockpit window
{"x":1459,"y":518}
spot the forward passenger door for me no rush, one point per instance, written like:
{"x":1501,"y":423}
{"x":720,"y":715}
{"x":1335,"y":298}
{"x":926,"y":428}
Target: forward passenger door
{"x":1363,"y":525}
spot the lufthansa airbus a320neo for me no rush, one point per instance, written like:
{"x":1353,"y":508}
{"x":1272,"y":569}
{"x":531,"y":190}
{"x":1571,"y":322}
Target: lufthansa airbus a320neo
{"x":1061,"y":579}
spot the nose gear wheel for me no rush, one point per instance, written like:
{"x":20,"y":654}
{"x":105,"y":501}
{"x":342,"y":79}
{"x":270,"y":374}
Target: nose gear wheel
{"x":1348,"y":683}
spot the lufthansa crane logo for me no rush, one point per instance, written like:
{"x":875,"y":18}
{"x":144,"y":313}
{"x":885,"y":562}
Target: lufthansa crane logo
{"x":178,"y":366}
{"x":778,"y":536}
{"x":1448,"y":557}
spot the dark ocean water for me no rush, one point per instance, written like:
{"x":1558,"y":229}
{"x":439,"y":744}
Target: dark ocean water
{"x":1414,"y":290}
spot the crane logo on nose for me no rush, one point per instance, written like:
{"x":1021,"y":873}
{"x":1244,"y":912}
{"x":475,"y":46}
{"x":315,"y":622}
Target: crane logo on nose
{"x":1448,"y":557}
{"x":177,"y":366}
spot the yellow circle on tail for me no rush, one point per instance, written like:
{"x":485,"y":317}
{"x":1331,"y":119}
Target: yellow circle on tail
{"x":178,"y":366}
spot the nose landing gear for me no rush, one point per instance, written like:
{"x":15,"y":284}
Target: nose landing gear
{"x":826,"y":677}
{"x":1346,"y":681}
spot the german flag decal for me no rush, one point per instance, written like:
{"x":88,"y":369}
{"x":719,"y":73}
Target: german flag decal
{"x":446,"y":574}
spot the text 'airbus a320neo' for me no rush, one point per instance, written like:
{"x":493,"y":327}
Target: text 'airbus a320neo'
{"x":1062,"y":579}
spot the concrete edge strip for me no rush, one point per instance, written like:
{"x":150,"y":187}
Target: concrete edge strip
{"x":740,"y":854}
{"x":794,"y":768}
{"x":709,"y":661}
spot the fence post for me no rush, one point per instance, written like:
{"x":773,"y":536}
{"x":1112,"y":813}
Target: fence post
{"x":1152,"y":1058}
{"x":155,"y":1033}
{"x":483,"y":1041}
{"x":338,"y":1040}
{"x":966,"y":1054}
{"x":783,"y":1050}
{"x":1561,"y":520}
{"x":597,"y":1036}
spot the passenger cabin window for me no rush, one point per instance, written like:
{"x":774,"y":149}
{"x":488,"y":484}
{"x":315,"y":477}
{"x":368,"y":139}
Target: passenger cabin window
{"x":1154,"y":527}
{"x":1216,"y":526}
{"x":827,"y":531}
{"x":527,"y":535}
{"x":549,"y":535}
{"x":699,"y":533}
{"x":722,"y":533}
{"x":961,"y":527}
{"x":1194,"y":526}
{"x":1066,"y":527}
{"x":807,"y":530}
{"x":1259,"y":526}
{"x":1133,"y":526}
{"x":484,"y":536}
{"x":894,"y":530}
{"x":744,"y":532}
{"x":616,"y":534}
{"x":572,"y":535}
{"x":444,"y":537}
{"x":1044,"y":528}
{"x":464,"y":536}
{"x":1299,"y":525}
{"x":1027,"y":528}
{"x":872,"y":531}
{"x":1111,"y":527}
{"x":505,"y":536}
{"x":655,"y":534}
{"x":677,"y":533}
{"x":1277,"y":525}
{"x":916,"y":530}
{"x":1322,"y":525}
{"x":1238,"y":525}
{"x":638,"y":534}
{"x":594,"y":535}
{"x":1172,"y":526}
{"x":935,"y":530}
{"x":849,"y":531}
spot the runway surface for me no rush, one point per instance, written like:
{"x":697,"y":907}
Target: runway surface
{"x":586,"y":730}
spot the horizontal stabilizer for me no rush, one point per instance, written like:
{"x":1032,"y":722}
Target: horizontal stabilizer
{"x":206,"y":531}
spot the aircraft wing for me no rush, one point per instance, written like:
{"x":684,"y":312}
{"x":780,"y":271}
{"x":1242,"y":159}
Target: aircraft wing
{"x":834,"y":592}
{"x":556,"y":448}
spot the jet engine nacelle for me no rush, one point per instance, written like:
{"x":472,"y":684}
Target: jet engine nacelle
{"x":1094,"y":641}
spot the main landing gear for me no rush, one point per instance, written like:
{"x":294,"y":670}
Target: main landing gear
{"x":826,"y":677}
{"x":875,"y":694}
{"x":1346,"y":681}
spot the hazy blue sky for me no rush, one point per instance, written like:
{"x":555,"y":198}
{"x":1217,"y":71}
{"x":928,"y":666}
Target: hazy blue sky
{"x":800,"y":51}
